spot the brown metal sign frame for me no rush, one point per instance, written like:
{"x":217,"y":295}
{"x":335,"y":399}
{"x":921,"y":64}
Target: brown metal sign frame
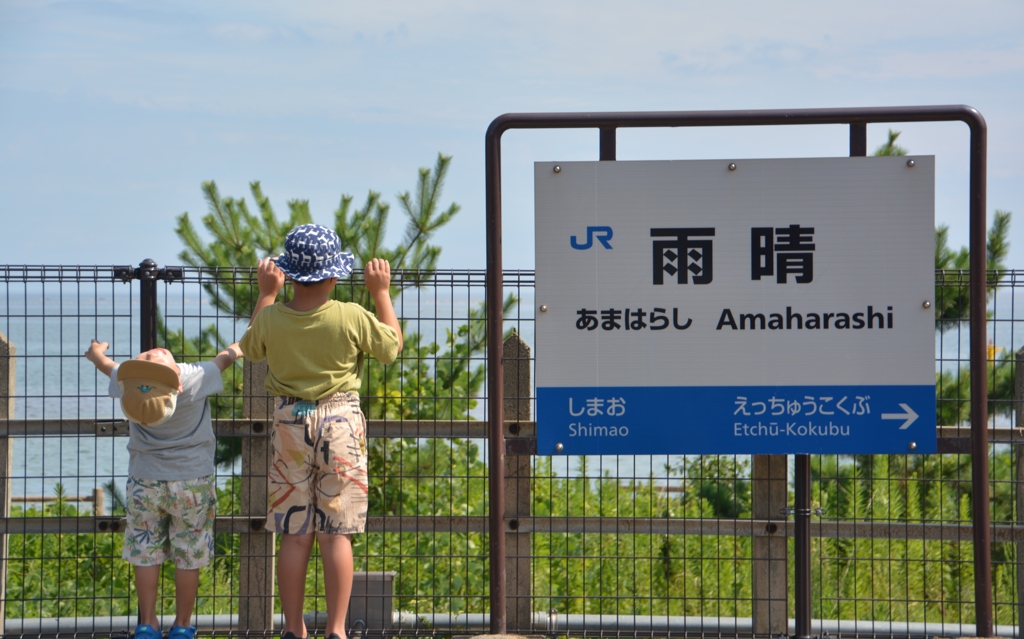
{"x":857,"y":119}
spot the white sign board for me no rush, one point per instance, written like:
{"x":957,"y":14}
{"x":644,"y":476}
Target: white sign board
{"x":754,"y":306}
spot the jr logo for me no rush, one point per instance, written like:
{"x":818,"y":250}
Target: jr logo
{"x":601,"y":233}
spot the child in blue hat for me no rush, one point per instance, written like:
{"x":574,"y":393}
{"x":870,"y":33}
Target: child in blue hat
{"x":315,"y":347}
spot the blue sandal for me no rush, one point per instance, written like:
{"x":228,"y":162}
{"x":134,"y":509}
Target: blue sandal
{"x":146,"y":631}
{"x":182,"y":632}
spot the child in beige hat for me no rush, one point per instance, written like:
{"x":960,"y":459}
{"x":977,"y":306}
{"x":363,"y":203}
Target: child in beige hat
{"x":171,"y":496}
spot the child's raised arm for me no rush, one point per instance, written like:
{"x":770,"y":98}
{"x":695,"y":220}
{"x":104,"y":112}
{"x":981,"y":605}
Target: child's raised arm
{"x":227,"y":357}
{"x":377,"y":277}
{"x":96,"y":354}
{"x":270,"y":280}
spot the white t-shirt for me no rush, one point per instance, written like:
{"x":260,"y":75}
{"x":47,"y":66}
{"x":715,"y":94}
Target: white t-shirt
{"x":183,"y":446}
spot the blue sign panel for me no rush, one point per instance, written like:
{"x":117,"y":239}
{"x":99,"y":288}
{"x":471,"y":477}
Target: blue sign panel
{"x":736,"y":420}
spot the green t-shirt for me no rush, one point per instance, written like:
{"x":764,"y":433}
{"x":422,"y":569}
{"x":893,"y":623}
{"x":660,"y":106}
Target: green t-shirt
{"x":314,"y":354}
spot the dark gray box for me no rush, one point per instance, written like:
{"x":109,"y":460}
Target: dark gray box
{"x":371,"y":606}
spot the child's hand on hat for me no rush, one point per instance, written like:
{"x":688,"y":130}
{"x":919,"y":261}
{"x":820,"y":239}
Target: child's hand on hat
{"x":96,"y":350}
{"x":377,"y":275}
{"x":269,"y":277}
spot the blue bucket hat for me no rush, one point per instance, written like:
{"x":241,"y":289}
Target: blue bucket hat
{"x":312,"y":253}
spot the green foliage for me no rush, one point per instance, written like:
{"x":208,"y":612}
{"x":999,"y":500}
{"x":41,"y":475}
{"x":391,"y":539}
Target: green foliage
{"x":50,"y":567}
{"x":83,"y":574}
{"x":933,"y":578}
{"x":952,"y":305}
{"x":118,"y":504}
{"x":444,"y":572}
{"x":430,"y":380}
{"x":642,"y":574}
{"x":241,"y":239}
{"x":890,"y":147}
{"x":952,"y":311}
{"x":609,"y":571}
{"x":953,"y":391}
{"x":952,"y":300}
{"x":362,"y":231}
{"x":722,"y":481}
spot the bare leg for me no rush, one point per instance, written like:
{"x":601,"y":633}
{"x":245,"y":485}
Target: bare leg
{"x":146,"y":580}
{"x":292,"y":561}
{"x":336,"y":551}
{"x":186,"y":587}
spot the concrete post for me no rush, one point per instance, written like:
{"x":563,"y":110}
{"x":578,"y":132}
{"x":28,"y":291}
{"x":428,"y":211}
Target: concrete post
{"x":1018,"y":422}
{"x":770,"y":569}
{"x":518,"y":472}
{"x":99,"y":502}
{"x":7,"y":394}
{"x":256,"y":555}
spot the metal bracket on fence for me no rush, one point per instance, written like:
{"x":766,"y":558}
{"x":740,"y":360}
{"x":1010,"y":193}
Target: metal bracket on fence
{"x":111,"y":427}
{"x":148,"y":271}
{"x":258,"y":524}
{"x":110,"y":524}
{"x":124,"y":273}
{"x":783,"y":635}
{"x":171,"y":274}
{"x":521,"y":446}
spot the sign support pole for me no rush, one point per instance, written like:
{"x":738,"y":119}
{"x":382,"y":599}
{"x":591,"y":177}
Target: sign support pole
{"x":802,"y":486}
{"x":802,"y":546}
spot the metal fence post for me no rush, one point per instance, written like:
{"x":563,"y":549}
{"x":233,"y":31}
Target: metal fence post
{"x":7,"y":388}
{"x":147,"y":274}
{"x":802,"y":546}
{"x":256,"y":552}
{"x":770,"y":568}
{"x":518,"y":496}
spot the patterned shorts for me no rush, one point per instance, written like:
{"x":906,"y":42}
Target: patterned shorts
{"x":170,"y":520}
{"x":317,"y":477}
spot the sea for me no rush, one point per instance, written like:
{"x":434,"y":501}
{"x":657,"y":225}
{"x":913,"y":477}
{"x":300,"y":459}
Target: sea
{"x":51,"y":325}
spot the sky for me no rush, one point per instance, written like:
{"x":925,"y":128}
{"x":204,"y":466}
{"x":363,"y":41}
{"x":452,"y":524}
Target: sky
{"x":112,"y":114}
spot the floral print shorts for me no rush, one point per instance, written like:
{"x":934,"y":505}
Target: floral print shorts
{"x":170,"y":519}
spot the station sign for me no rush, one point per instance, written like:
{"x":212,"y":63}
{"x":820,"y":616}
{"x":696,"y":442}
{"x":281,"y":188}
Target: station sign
{"x":761,"y":306}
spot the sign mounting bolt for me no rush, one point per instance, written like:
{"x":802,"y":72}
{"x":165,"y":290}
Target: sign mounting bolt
{"x":927,"y":304}
{"x":543,"y":308}
{"x":732,"y":166}
{"x":559,"y":447}
{"x":557,"y":169}
{"x":910,"y":163}
{"x":912,"y":445}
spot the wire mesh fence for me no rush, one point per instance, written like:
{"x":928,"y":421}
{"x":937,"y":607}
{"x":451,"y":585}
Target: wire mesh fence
{"x":613,"y":545}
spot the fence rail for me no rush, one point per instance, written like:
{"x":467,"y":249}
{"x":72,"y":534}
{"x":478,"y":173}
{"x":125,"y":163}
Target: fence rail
{"x":641,"y":545}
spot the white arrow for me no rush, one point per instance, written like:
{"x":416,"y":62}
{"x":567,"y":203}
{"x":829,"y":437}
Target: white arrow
{"x":910,"y":416}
